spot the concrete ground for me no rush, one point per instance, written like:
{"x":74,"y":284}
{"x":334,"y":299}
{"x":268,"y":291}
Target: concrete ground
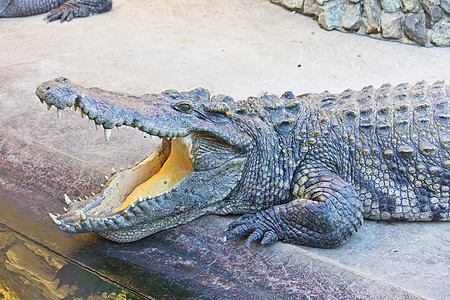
{"x":239,"y":48}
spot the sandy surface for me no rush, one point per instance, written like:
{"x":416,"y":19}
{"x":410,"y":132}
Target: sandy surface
{"x":238,"y":48}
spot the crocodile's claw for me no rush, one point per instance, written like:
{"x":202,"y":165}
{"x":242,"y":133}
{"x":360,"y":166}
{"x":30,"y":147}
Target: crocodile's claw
{"x":65,"y":12}
{"x":256,"y":226}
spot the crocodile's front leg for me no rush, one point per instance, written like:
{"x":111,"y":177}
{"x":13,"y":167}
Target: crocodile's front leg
{"x":325,"y":212}
{"x":78,"y":8}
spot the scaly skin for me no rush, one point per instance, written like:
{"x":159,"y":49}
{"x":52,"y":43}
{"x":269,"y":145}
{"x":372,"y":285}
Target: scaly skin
{"x":303,"y":169}
{"x":63,"y":10}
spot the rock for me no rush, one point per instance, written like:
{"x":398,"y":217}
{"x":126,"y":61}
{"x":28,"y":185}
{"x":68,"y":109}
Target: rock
{"x":445,"y":5}
{"x":352,"y":17}
{"x":414,"y":28}
{"x":290,"y":4}
{"x":330,"y":15}
{"x":391,"y":6}
{"x":311,"y":7}
{"x":432,"y":11}
{"x":371,"y":15}
{"x":391,"y":25}
{"x":410,"y":6}
{"x":441,"y":33}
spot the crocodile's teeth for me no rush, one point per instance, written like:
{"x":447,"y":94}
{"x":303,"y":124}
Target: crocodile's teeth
{"x":86,"y":197}
{"x":57,"y":222}
{"x":113,"y":171}
{"x":107,"y":134}
{"x":65,"y":209}
{"x":80,"y":198}
{"x":49,"y":106}
{"x":140,"y":199}
{"x":102,"y":185}
{"x":59,"y":112}
{"x":67,"y":199}
{"x":82,"y":216}
{"x":106,"y":177}
{"x":90,"y":121}
{"x":97,"y":127}
{"x":82,"y":114}
{"x":92,"y":193}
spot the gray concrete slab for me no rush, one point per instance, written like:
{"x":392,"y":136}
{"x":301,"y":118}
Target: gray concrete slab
{"x":239,"y":48}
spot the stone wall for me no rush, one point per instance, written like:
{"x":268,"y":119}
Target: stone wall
{"x":425,"y":22}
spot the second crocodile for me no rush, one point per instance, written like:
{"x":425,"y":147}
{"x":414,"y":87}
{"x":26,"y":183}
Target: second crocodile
{"x":302,"y":169}
{"x":63,"y":10}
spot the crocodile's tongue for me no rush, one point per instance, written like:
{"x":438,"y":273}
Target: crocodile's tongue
{"x":176,"y":167}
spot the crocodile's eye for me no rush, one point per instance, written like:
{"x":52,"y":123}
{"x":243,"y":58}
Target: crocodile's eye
{"x":185,"y":107}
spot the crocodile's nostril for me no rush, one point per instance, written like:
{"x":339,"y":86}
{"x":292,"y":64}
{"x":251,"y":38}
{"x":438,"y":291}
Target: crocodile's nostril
{"x":47,"y":88}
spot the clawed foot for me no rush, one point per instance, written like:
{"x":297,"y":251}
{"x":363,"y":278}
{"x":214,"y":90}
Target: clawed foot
{"x":65,"y":12}
{"x":257,"y":226}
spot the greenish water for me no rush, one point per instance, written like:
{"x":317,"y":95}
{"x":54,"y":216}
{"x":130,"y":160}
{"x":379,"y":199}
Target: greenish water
{"x":30,"y":271}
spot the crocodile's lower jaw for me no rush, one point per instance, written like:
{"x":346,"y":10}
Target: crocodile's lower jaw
{"x":126,"y":192}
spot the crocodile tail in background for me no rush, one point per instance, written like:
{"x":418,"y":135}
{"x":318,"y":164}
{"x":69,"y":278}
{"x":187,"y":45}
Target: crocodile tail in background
{"x":22,"y":8}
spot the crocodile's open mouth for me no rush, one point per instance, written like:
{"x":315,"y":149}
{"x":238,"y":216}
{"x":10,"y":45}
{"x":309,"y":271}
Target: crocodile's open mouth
{"x":127,"y":190}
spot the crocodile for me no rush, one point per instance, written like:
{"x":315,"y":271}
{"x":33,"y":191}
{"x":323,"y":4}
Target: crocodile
{"x":63,"y":10}
{"x":304,"y":169}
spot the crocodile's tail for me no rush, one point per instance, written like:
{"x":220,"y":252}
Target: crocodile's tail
{"x":23,"y":8}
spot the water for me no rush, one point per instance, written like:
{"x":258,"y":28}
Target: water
{"x":30,"y":271}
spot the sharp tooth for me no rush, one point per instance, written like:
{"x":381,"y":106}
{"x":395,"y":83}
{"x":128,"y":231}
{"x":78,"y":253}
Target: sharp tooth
{"x":65,"y":209}
{"x":93,"y":194}
{"x":59,"y":112}
{"x":49,"y":106}
{"x":113,"y":171}
{"x":102,"y":185}
{"x":82,"y":216}
{"x":80,"y":198}
{"x":107,"y":134}
{"x":86,"y":197}
{"x":106,"y":177}
{"x":67,"y":199}
{"x":90,"y":121}
{"x":140,"y":199}
{"x":82,"y":114}
{"x":118,"y":127}
{"x":57,"y":222}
